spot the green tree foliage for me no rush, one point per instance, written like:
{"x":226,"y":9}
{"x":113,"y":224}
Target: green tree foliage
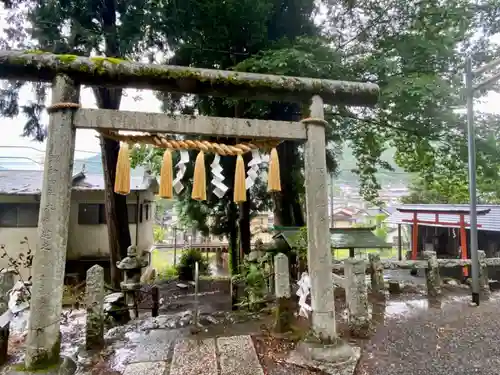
{"x":214,"y":34}
{"x":110,"y":27}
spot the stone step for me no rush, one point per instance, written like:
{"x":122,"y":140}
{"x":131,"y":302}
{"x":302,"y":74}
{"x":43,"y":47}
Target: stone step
{"x":194,"y":357}
{"x":233,"y":355}
{"x":237,"y":356}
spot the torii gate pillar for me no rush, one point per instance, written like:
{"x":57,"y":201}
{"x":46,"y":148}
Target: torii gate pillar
{"x":319,"y":255}
{"x":43,"y":342}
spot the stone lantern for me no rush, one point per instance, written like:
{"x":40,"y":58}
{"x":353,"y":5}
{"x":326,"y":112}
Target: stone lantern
{"x":131,"y":265}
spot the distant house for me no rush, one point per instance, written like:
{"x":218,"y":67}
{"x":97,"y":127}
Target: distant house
{"x":344,"y":217}
{"x":88,"y":236}
{"x":371,"y":216}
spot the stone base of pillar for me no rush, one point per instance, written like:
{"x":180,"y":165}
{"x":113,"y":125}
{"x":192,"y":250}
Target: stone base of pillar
{"x":335,"y":359}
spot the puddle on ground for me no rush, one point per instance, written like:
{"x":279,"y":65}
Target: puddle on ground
{"x":410,"y":307}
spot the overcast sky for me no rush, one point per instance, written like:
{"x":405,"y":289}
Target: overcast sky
{"x":87,"y":143}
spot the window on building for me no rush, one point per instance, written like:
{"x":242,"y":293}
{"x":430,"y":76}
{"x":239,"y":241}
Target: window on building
{"x":19,"y":215}
{"x":132,"y":213}
{"x":140,"y":212}
{"x":146,"y":207}
{"x":91,"y":214}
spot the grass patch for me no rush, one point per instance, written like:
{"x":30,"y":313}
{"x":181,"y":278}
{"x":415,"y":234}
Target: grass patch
{"x":163,"y":262}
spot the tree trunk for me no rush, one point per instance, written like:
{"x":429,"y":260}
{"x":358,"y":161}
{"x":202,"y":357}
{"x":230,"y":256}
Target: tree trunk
{"x":116,"y":204}
{"x":288,"y":210}
{"x":232,"y":213}
{"x":244,"y":208}
{"x":244,"y":227}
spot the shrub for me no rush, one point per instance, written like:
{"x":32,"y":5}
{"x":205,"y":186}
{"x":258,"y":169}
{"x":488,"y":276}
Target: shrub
{"x":158,"y":234}
{"x":167,"y":273}
{"x":185,"y":267}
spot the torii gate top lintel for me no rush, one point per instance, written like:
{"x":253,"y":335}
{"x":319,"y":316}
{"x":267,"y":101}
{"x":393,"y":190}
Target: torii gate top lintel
{"x":443,"y":211}
{"x":102,"y":71}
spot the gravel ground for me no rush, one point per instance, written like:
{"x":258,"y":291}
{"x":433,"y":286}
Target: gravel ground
{"x":456,"y":338}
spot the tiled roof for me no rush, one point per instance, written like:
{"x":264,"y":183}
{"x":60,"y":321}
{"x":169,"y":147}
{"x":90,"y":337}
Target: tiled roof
{"x":23,"y":182}
{"x":341,"y":238}
{"x":490,"y":221}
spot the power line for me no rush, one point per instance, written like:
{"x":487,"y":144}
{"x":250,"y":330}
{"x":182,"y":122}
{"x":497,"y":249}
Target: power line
{"x":43,"y":151}
{"x":85,"y":161}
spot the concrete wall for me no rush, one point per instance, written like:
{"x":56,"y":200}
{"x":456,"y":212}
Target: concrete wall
{"x":84,"y":241}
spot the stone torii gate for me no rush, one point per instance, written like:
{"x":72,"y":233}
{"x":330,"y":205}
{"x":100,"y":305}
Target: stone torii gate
{"x":68,"y":72}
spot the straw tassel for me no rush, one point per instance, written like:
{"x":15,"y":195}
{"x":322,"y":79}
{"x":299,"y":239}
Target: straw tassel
{"x":240,"y":190}
{"x":122,"y":179}
{"x":273,"y":175}
{"x":199,"y":192}
{"x":166,"y":176}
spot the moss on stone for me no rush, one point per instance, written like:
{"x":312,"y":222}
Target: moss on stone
{"x":316,"y":338}
{"x":101,"y":59}
{"x":22,"y":368}
{"x":35,"y":51}
{"x":66,"y":59}
{"x":47,"y":361}
{"x":283,"y":315}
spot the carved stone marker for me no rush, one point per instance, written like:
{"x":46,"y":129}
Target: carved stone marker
{"x":284,"y":313}
{"x":484,"y":282}
{"x":432,"y":278}
{"x":357,"y":297}
{"x":376,"y":274}
{"x":6,"y":284}
{"x":94,"y":300}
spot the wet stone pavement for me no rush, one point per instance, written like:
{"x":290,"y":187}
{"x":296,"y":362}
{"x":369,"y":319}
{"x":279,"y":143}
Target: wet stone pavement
{"x":412,"y":336}
{"x":159,"y":346}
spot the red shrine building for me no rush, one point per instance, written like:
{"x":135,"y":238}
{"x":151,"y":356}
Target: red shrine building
{"x":444,"y":228}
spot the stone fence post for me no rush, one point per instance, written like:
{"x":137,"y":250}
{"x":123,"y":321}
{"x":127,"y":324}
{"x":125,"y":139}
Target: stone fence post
{"x":6,"y":284}
{"x":356,"y":296}
{"x":376,"y":273}
{"x":484,"y":282}
{"x":94,"y":301}
{"x":432,"y":278}
{"x":284,"y":314}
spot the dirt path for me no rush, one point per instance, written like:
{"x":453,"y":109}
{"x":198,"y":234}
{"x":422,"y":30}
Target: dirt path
{"x":455,"y":338}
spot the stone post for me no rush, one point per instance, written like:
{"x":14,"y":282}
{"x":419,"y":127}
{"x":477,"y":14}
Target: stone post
{"x":376,"y":274}
{"x":319,"y":255}
{"x":43,"y":341}
{"x":484,"y":282}
{"x":6,"y":284}
{"x":284,"y":314}
{"x":356,"y":296}
{"x":94,"y":301}
{"x":432,"y":278}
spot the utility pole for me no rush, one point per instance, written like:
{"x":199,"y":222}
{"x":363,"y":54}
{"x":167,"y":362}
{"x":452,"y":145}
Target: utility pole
{"x":470,"y":88}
